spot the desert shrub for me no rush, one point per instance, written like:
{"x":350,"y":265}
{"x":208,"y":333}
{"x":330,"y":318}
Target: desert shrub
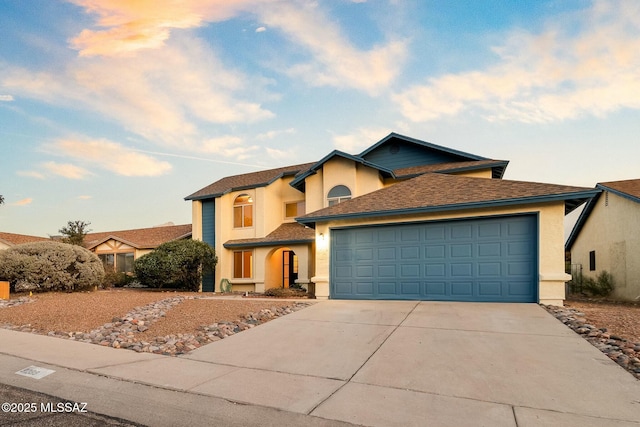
{"x":285,"y":292}
{"x":50,"y":266}
{"x":601,"y":286}
{"x":113,"y":279}
{"x":177,"y":264}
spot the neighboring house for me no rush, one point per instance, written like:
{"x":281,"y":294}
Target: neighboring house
{"x":118,"y":249}
{"x":606,"y":237}
{"x":10,"y":239}
{"x":404,"y":219}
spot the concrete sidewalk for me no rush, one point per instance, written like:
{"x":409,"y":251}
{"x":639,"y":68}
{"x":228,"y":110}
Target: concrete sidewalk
{"x":368,"y":363}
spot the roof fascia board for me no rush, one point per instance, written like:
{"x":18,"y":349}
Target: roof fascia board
{"x":456,"y":206}
{"x":619,"y":193}
{"x":582,"y":219}
{"x":269,"y":243}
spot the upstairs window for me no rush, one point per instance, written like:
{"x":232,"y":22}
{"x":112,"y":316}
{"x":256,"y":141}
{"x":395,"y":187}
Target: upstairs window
{"x":338,"y":194}
{"x":243,"y":211}
{"x":294,"y":209}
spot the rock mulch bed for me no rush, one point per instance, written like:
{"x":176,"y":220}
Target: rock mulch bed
{"x":122,"y":332}
{"x":622,"y":351}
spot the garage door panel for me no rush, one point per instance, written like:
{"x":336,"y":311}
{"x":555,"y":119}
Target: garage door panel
{"x":469,"y":260}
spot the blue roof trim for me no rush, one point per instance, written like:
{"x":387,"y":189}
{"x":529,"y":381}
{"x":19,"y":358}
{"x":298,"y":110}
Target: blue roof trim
{"x":270,"y":243}
{"x":298,"y":181}
{"x":458,"y":206}
{"x":423,"y":144}
{"x":619,"y":193}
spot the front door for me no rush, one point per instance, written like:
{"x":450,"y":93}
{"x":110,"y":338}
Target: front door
{"x":289,"y":268}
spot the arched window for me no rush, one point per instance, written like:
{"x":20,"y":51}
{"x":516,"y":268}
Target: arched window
{"x":243,"y":211}
{"x":338,"y":194}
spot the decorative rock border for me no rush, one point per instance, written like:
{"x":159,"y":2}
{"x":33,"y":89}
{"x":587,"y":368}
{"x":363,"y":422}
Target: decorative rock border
{"x":121,"y":331}
{"x":4,"y":303}
{"x":625,"y":353}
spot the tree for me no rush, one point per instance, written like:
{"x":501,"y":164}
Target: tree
{"x":1,"y":199}
{"x":178,"y":264}
{"x":74,"y":232}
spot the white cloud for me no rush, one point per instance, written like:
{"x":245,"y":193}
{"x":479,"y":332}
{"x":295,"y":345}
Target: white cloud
{"x":6,"y":98}
{"x":66,"y":170}
{"x":261,"y":29}
{"x":85,"y":197}
{"x":229,"y":147}
{"x":334,"y":60}
{"x":23,"y":202}
{"x":360,"y":139}
{"x":31,"y":174}
{"x":272,"y":134}
{"x":579,"y":65}
{"x":111,"y":156}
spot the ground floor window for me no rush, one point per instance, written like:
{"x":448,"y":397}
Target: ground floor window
{"x":121,"y":263}
{"x":243,"y":264}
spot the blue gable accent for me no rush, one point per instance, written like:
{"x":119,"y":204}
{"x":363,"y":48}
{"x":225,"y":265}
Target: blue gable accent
{"x":397,"y":151}
{"x":209,"y":236}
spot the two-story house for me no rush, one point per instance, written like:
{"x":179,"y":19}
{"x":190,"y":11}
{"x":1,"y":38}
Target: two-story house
{"x":404,"y":219}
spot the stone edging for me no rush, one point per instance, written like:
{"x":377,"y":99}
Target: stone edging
{"x":121,"y":332}
{"x":625,"y":353}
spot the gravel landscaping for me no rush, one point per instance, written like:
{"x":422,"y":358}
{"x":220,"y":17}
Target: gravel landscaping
{"x":167,"y":323}
{"x":613,"y":328}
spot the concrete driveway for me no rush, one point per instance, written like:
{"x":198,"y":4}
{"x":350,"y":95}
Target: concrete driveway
{"x":425,"y":363}
{"x":368,"y":363}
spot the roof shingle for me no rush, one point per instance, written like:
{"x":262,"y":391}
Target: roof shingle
{"x":141,"y":237}
{"x":432,"y":191}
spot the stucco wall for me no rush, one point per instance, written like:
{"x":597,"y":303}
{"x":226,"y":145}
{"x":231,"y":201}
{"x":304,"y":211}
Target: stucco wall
{"x":550,"y":243}
{"x":613,"y":232}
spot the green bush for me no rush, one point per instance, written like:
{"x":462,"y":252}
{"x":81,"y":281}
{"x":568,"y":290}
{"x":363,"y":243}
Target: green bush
{"x":50,"y":266}
{"x":177,"y":264}
{"x":113,"y":279}
{"x":602,"y":286}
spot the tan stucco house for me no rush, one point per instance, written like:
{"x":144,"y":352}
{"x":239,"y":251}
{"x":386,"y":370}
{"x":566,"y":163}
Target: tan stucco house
{"x":404,"y":219}
{"x":606,"y":237}
{"x":119,"y":249}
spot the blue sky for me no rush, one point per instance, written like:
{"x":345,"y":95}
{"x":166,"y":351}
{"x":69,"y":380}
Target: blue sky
{"x":113,"y":111}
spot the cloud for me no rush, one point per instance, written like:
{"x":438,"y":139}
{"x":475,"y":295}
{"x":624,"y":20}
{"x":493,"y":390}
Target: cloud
{"x":582,"y":64}
{"x":360,"y":139}
{"x":23,"y":202}
{"x":85,"y":197}
{"x":334,"y":60}
{"x":111,"y":156}
{"x":274,"y":133}
{"x":146,"y":24}
{"x":6,"y":98}
{"x":261,"y":29}
{"x":31,"y":174}
{"x":228,"y":146}
{"x":66,"y":170}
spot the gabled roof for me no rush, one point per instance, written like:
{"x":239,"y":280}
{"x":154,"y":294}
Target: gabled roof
{"x":298,"y":182}
{"x":497,"y":168}
{"x":629,"y":189}
{"x":425,"y":194}
{"x":140,"y":238}
{"x":247,"y":181}
{"x":12,"y":239}
{"x":289,"y":233}
{"x":394,"y":138}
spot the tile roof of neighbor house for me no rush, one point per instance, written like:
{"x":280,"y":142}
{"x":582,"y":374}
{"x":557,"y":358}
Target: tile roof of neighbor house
{"x":140,"y":238}
{"x":433,"y":192}
{"x":287,"y":233}
{"x":17,"y":239}
{"x":629,"y":188}
{"x":246,"y":181}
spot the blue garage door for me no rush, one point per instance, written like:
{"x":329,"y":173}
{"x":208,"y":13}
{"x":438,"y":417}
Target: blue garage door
{"x":492,"y":259}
